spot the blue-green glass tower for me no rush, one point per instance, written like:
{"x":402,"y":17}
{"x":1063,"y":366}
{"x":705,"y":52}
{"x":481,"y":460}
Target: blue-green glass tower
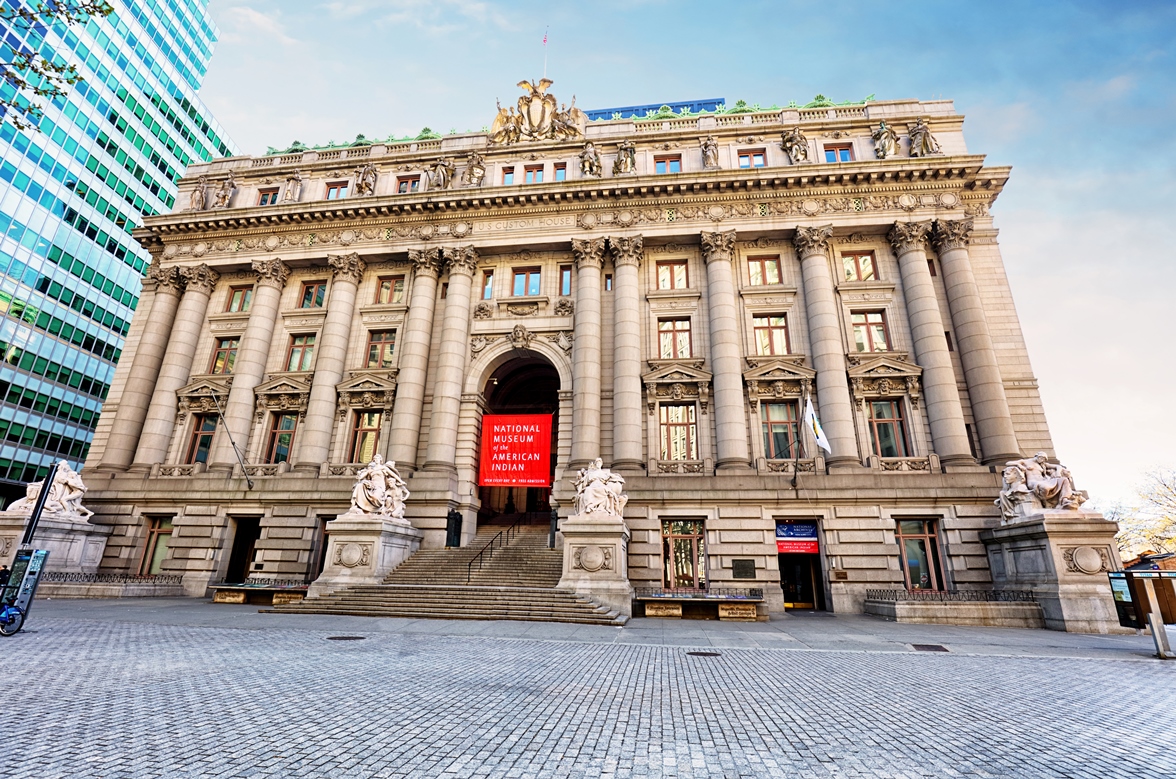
{"x":70,"y":272}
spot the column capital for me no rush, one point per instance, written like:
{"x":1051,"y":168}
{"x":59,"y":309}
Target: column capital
{"x":272,"y":273}
{"x":461,"y":259}
{"x":200,"y":277}
{"x":588,"y":252}
{"x":952,"y":234}
{"x":627,"y":251}
{"x":718,"y":246}
{"x":812,"y":240}
{"x":426,"y":262}
{"x":347,"y":267}
{"x":164,"y":279}
{"x":909,"y":236}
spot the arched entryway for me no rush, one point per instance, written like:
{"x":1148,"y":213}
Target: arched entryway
{"x":525,"y":384}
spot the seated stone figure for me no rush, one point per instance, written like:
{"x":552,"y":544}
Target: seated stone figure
{"x":64,"y":497}
{"x":379,"y":490}
{"x":1035,"y":483}
{"x":600,"y":491}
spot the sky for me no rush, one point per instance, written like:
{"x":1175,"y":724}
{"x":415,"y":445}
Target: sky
{"x":1079,"y":98}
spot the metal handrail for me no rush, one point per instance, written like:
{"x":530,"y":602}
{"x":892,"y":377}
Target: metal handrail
{"x":524,"y":519}
{"x":969,"y":596}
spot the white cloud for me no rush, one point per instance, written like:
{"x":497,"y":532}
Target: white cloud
{"x":241,"y":24}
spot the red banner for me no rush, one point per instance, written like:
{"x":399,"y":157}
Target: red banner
{"x":516,"y":450}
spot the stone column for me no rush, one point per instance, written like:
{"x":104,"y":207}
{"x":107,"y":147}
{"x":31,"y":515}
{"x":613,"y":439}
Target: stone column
{"x":315,"y":434}
{"x":941,"y":396}
{"x":824,"y":323}
{"x":451,"y":362}
{"x":414,"y":358}
{"x":249,"y":367}
{"x":140,"y":385}
{"x":627,"y":450}
{"x":176,"y":368}
{"x":726,"y":355}
{"x":990,"y":407}
{"x":589,"y":255}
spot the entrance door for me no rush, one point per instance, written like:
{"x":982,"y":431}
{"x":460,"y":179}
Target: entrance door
{"x":684,"y":554}
{"x":800,"y":578}
{"x":245,"y":537}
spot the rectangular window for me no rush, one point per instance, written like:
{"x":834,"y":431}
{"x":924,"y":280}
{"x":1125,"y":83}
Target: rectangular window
{"x":671,"y":274}
{"x":608,"y":282}
{"x":752,"y":158}
{"x":381,"y":344}
{"x":487,"y":284}
{"x":337,"y":190}
{"x":508,"y":175}
{"x":859,"y":266}
{"x":869,"y":331}
{"x":267,"y":197}
{"x":764,"y":270}
{"x":918,"y":547}
{"x":561,"y":171}
{"x":533,"y":174}
{"x":408,"y":184}
{"x":200,"y":442}
{"x":224,"y":355}
{"x":668,"y":164}
{"x":239,"y":299}
{"x":839,"y":152}
{"x":390,"y":289}
{"x":674,"y":338}
{"x":684,"y":554}
{"x":301,"y":354}
{"x":931,"y":266}
{"x":365,"y":436}
{"x":771,"y":334}
{"x":565,"y":280}
{"x":312,"y":295}
{"x":159,"y":534}
{"x":947,"y":337}
{"x":887,"y":428}
{"x":679,"y":431}
{"x":281,"y":438}
{"x":781,"y":429}
{"x":526,"y":282}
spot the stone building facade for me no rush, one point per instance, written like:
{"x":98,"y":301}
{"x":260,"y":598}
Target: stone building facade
{"x":671,"y":290}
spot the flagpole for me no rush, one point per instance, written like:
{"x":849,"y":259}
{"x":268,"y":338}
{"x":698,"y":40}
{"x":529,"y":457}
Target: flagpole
{"x":800,"y":426}
{"x":545,"y":53}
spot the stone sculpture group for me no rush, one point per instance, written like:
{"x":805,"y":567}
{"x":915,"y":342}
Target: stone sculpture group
{"x":379,"y":491}
{"x":1034,"y":484}
{"x":540,"y":117}
{"x":64,"y":497}
{"x":599,"y":491}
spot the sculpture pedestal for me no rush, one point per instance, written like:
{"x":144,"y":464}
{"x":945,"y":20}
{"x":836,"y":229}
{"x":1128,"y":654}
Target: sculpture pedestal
{"x":596,"y":560}
{"x":1062,"y":557}
{"x":363,"y":549}
{"x":75,"y":546}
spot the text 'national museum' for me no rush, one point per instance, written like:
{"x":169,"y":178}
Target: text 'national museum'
{"x":665,"y":293}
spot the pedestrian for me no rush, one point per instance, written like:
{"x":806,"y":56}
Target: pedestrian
{"x":4,"y":576}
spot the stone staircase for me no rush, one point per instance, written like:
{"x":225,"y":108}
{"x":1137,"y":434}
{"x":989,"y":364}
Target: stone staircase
{"x":517,"y":582}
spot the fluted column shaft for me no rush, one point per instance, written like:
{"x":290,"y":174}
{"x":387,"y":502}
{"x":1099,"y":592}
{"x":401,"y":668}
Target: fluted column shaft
{"x":941,"y":396}
{"x":140,"y":384}
{"x":824,"y":323}
{"x":451,"y":363}
{"x":589,"y":254}
{"x":314,"y":443}
{"x":718,"y":251}
{"x":990,"y":406}
{"x":176,"y":367}
{"x":627,"y":254}
{"x":414,"y":358}
{"x":249,"y":367}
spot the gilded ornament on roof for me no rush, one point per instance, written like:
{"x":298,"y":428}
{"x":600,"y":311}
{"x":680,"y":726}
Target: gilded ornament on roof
{"x":540,"y":117}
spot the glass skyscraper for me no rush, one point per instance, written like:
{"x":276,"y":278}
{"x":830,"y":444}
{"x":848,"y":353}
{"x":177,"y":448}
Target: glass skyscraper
{"x":70,"y":272}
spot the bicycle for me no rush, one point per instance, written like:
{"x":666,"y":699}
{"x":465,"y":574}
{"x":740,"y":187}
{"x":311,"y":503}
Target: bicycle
{"x":11,"y":619}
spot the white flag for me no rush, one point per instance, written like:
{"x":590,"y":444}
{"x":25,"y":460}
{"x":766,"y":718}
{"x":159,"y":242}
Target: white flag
{"x":814,"y":426}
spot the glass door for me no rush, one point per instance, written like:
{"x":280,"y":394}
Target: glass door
{"x":684,"y":554}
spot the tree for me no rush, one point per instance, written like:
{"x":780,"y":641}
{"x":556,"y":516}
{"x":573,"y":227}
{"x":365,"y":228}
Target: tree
{"x":1152,"y":526}
{"x":31,"y":75}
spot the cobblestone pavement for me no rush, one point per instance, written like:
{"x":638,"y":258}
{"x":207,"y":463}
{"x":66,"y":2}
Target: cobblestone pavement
{"x":186,"y":689}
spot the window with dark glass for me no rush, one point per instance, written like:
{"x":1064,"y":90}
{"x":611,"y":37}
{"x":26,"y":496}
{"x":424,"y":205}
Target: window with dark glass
{"x":239,"y":299}
{"x":918,"y":547}
{"x":526,"y":282}
{"x":390,"y":289}
{"x":200,"y":441}
{"x":224,"y":355}
{"x":365,"y":435}
{"x":839,"y":152}
{"x":533,"y":174}
{"x":381,"y":344}
{"x":684,"y":554}
{"x":673,"y":337}
{"x":764,"y":270}
{"x":679,"y":431}
{"x":752,"y":158}
{"x":408,"y":184}
{"x":608,"y":282}
{"x":337,"y":190}
{"x":301,"y":353}
{"x":888,"y":433}
{"x":281,"y":438}
{"x":508,"y":175}
{"x":869,"y":331}
{"x":313,"y":294}
{"x":669,"y":164}
{"x":859,"y":266}
{"x":771,"y":334}
{"x":487,"y":284}
{"x":671,"y":274}
{"x":267,"y":197}
{"x":781,"y":429}
{"x":159,"y":533}
{"x":561,"y":171}
{"x":565,"y":280}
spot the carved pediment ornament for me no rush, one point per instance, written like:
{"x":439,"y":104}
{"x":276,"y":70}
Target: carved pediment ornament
{"x":520,"y":337}
{"x":588,"y":252}
{"x":952,"y":234}
{"x":674,"y":380}
{"x":272,"y":273}
{"x":812,"y":240}
{"x":626,"y":251}
{"x":562,"y":339}
{"x":776,"y":379}
{"x":204,"y":396}
{"x":426,"y":262}
{"x":479,"y":342}
{"x":909,"y":236}
{"x":283,"y":393}
{"x":885,"y":376}
{"x":718,"y":246}
{"x":347,"y":267}
{"x":485,"y":311}
{"x":522,"y":309}
{"x":462,"y":259}
{"x":374,"y":390}
{"x":565,"y":307}
{"x":540,"y":117}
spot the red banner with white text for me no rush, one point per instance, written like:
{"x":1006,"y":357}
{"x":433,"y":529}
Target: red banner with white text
{"x":516,"y":450}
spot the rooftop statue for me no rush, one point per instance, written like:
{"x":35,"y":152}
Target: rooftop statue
{"x":539,"y":117}
{"x":590,"y":161}
{"x":710,"y":152}
{"x":64,"y":497}
{"x":885,"y":141}
{"x":923,"y":143}
{"x":795,"y":145}
{"x":626,"y":161}
{"x":199,"y":195}
{"x":224,"y":193}
{"x":475,"y":171}
{"x":293,"y":188}
{"x":365,"y":179}
{"x":379,"y":490}
{"x":1034,"y":484}
{"x":599,"y":491}
{"x":441,"y":173}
